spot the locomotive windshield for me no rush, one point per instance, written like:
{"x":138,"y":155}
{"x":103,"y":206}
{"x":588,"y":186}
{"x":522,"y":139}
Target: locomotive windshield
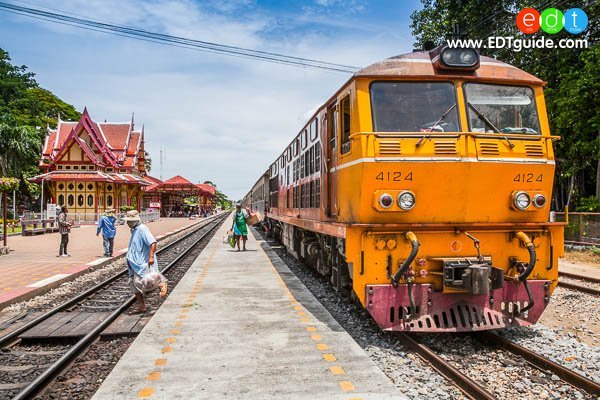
{"x":414,"y":107}
{"x":501,"y":109}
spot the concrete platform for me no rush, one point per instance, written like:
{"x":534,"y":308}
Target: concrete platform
{"x":591,"y":270}
{"x":32,"y":267}
{"x":242,"y":326}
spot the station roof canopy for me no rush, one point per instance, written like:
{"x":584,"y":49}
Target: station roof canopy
{"x":179,"y":185}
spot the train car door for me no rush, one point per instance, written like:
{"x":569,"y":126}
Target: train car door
{"x":332,"y":161}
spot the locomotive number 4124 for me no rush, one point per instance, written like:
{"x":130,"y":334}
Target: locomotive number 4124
{"x":394,"y":176}
{"x":526,"y":178}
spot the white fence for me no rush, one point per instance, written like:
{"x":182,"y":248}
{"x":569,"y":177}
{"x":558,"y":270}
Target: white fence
{"x":92,"y":218}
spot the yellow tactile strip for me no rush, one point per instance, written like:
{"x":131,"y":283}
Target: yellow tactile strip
{"x":336,"y":370}
{"x":155,"y":374}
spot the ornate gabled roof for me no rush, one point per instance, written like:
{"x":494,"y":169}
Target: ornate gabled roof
{"x":210,"y":189}
{"x":111,"y":144}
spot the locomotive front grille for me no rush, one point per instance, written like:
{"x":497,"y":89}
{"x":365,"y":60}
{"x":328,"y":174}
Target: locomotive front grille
{"x":489,"y":149}
{"x":534,"y":150}
{"x":389,"y":147}
{"x":446,"y":148}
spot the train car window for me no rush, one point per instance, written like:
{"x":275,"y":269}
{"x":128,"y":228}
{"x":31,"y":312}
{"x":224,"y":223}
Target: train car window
{"x":501,"y":109}
{"x":295,"y":147}
{"x":314,"y":129}
{"x":311,"y":159}
{"x":295,"y":170}
{"x":282,"y":161}
{"x":414,"y":107}
{"x":345,"y":131}
{"x":304,"y":139}
{"x":289,"y":154}
{"x":312,"y":194}
{"x":317,"y":157}
{"x":318,"y":193}
{"x":302,"y":174}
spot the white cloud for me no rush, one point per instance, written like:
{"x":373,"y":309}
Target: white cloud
{"x":219,"y":118}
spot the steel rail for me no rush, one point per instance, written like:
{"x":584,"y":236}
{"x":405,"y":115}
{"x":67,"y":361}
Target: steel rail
{"x":571,"y":377}
{"x":44,"y":379}
{"x":9,"y":337}
{"x":580,"y":288}
{"x":579,"y":277}
{"x":468,"y":387}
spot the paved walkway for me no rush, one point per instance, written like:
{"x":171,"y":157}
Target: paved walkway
{"x":32,"y":264}
{"x":579,"y":268}
{"x":242,"y":326}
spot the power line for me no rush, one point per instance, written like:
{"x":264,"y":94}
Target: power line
{"x":140,"y":34}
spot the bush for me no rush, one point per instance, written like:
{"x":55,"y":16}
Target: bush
{"x":588,"y":204}
{"x":126,"y":208}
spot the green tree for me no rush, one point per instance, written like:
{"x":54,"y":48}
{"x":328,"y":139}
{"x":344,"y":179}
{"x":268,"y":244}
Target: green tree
{"x":572,"y":76}
{"x":25,"y":111}
{"x":19,"y":146}
{"x":147,"y":162}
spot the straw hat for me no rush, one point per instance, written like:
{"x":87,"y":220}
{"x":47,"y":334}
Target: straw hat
{"x":109,"y":211}
{"x":132,"y":215}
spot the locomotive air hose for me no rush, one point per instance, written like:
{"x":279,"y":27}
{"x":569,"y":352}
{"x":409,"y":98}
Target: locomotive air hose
{"x":414,"y":243}
{"x":531,"y":249}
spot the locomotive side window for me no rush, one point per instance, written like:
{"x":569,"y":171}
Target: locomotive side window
{"x":414,"y":107}
{"x":313,"y":129}
{"x":304,"y":139}
{"x":501,"y":109}
{"x":345,"y":109}
{"x":317,"y":157}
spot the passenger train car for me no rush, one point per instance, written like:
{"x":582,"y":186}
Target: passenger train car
{"x":422,"y":188}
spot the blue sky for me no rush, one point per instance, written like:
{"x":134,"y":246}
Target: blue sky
{"x":219,"y":118}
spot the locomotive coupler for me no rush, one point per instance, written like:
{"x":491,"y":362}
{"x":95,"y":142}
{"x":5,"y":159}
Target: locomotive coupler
{"x":464,"y":275}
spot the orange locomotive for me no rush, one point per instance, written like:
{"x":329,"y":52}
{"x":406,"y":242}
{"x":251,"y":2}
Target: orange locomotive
{"x":422,"y":188}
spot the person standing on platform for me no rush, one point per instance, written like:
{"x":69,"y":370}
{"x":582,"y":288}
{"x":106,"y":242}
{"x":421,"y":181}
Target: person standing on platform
{"x":140,"y":257}
{"x":106,"y":224}
{"x":64,"y":227}
{"x":239,"y":227}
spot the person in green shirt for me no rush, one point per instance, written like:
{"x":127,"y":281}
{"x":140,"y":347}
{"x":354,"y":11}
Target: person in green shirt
{"x":239,"y":226}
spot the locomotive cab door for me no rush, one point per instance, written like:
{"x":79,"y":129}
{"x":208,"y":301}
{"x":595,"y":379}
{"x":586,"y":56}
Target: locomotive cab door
{"x":332,"y":160}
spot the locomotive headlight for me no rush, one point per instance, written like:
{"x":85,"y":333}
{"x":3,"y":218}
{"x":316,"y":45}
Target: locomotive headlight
{"x":459,"y":58}
{"x":386,"y":201}
{"x":539,"y":200}
{"x":522,"y":200}
{"x":406,"y":200}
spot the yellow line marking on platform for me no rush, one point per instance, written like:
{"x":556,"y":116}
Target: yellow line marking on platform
{"x":305,"y":320}
{"x":175,"y":331}
{"x":180,"y":323}
{"x":146,"y":392}
{"x":160,"y":362}
{"x":182,"y":317}
{"x":311,"y":328}
{"x":167,"y":349}
{"x":322,"y":346}
{"x":171,"y":340}
{"x":153,"y":376}
{"x":337,"y":370}
{"x":316,"y":338}
{"x":185,"y":310}
{"x":297,"y":308}
{"x":346,"y":386}
{"x":302,"y":313}
{"x":329,"y":357}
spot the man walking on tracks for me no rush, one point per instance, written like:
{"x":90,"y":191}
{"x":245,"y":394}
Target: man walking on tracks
{"x":141,"y":259}
{"x":64,"y":227}
{"x":106,"y":224}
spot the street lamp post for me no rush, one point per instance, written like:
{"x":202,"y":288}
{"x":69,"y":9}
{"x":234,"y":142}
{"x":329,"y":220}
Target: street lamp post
{"x":42,"y":202}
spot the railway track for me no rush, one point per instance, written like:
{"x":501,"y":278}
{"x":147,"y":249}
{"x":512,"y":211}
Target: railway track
{"x":34,"y":354}
{"x":459,"y":372}
{"x":580,"y":283}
